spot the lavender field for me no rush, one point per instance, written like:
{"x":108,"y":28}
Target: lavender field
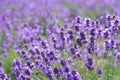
{"x":60,"y":40}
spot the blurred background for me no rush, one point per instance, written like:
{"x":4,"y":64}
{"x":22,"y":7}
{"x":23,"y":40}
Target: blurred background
{"x":61,"y":8}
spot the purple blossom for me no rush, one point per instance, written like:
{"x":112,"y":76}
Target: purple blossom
{"x":118,"y":56}
{"x":99,"y":71}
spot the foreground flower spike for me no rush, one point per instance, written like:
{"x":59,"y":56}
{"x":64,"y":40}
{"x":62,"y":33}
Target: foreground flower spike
{"x":76,"y":75}
{"x":3,"y":75}
{"x":110,"y":45}
{"x":21,"y":71}
{"x":58,"y":72}
{"x":63,"y":63}
{"x":89,"y":64}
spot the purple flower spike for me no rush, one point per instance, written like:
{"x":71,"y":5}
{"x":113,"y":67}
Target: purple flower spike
{"x":63,"y":63}
{"x":99,"y":71}
{"x":118,"y":56}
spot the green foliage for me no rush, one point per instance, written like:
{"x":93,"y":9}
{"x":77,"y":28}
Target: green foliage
{"x":7,"y":63}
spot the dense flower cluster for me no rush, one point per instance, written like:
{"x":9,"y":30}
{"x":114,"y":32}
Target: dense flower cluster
{"x":57,"y":52}
{"x":38,"y":51}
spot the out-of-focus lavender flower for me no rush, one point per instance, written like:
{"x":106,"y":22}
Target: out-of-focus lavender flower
{"x":102,"y":79}
{"x":114,"y":66}
{"x":76,"y":75}
{"x":99,"y":71}
{"x":3,"y":75}
{"x":69,"y":76}
{"x":110,"y":45}
{"x":89,"y":64}
{"x":63,"y":63}
{"x":117,"y":56}
{"x":0,"y":64}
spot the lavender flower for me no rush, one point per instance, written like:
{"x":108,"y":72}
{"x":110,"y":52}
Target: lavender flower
{"x":99,"y":71}
{"x":3,"y":75}
{"x":89,"y":64}
{"x":118,"y":56}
